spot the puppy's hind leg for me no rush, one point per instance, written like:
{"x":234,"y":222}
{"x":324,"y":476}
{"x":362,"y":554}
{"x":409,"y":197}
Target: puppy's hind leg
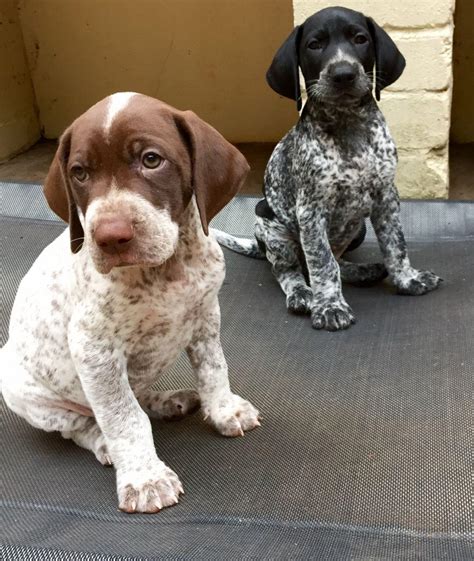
{"x":284,"y":254}
{"x":47,"y":411}
{"x":362,"y":274}
{"x":170,"y":405}
{"x":90,"y":437}
{"x":54,"y":415}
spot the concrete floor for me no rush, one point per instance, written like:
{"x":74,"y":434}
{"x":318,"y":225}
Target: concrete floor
{"x":33,"y":166}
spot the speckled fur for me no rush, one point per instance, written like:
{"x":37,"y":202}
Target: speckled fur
{"x":334,"y":168}
{"x":85,"y":346}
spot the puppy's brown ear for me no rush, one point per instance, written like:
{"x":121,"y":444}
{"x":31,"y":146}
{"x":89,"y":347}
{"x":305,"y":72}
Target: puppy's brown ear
{"x":57,"y":191}
{"x":218,"y":168}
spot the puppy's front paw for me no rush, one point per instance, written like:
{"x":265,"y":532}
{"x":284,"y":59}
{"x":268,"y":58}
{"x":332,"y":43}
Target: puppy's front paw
{"x":299,"y":300}
{"x":151,"y":493}
{"x":233,"y":416}
{"x":332,"y":316}
{"x":416,"y":283}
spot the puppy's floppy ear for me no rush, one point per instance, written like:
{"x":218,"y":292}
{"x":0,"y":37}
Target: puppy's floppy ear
{"x":283,"y":74}
{"x":54,"y":189}
{"x":389,"y":61}
{"x":57,"y":191}
{"x":218,"y":168}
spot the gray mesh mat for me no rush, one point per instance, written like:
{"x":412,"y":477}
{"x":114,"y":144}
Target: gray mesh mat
{"x":365,"y":450}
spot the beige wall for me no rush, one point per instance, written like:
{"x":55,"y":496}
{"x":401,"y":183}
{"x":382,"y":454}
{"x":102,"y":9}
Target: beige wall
{"x":206,"y":55}
{"x":19,"y":126}
{"x":462,"y":129}
{"x":211,"y":56}
{"x":418,"y":106}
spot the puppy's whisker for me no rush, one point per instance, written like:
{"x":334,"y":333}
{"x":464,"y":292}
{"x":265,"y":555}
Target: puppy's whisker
{"x":78,"y":240}
{"x":81,"y":239}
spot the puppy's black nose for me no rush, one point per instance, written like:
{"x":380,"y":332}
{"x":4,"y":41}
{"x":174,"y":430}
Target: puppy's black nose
{"x":343,"y":74}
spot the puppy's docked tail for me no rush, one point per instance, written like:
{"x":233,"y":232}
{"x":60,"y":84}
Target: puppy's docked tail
{"x":244,"y":246}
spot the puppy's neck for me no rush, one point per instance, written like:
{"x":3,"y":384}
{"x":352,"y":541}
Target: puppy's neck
{"x":329,"y":115}
{"x":191,"y":233}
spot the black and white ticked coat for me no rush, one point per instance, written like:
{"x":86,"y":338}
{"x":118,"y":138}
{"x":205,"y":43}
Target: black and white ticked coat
{"x":332,"y":170}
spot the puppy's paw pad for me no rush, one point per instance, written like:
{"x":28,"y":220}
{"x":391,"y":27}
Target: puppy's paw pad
{"x":299,"y":301}
{"x":332,"y":317}
{"x":152,"y":495}
{"x":234,"y":417}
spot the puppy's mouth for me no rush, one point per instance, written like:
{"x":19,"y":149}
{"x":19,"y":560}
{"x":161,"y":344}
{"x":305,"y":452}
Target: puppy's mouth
{"x":324,"y":91}
{"x":104,"y":263}
{"x":331,"y":95}
{"x":347,"y":95}
{"x":350,"y":97}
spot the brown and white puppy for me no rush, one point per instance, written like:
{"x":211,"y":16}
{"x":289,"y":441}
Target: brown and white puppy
{"x":109,"y":306}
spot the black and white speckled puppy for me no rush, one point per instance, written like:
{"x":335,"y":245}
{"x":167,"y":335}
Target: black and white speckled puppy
{"x":92,"y":329}
{"x":332,"y":170}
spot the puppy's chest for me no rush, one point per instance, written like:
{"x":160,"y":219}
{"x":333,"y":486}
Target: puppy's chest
{"x":160,"y":313}
{"x":348,"y":174}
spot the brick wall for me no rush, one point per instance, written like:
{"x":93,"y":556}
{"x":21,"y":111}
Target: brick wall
{"x":418,"y":106}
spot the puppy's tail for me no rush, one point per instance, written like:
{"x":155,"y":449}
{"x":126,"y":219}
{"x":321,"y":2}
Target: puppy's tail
{"x":244,"y":246}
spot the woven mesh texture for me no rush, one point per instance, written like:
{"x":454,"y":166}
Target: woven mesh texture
{"x":24,"y":200}
{"x":21,"y":553}
{"x":364,"y":452}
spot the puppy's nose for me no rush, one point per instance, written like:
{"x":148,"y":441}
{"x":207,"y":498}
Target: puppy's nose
{"x":343,"y":74}
{"x":113,"y":236}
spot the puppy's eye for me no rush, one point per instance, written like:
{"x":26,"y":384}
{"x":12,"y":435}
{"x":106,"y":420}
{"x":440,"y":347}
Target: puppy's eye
{"x":315,"y":44}
{"x":79,"y":173}
{"x":360,"y":39}
{"x":151,"y":160}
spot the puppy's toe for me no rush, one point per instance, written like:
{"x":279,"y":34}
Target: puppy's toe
{"x":333,"y":317}
{"x":151,"y":495}
{"x":299,"y":301}
{"x":102,"y":454}
{"x":234,"y":416}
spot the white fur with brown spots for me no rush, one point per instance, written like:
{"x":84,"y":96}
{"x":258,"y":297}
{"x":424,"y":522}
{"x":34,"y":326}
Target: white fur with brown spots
{"x":92,"y":329}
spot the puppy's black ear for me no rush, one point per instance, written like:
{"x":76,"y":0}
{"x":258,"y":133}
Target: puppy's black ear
{"x":283,"y":74}
{"x":389,"y":61}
